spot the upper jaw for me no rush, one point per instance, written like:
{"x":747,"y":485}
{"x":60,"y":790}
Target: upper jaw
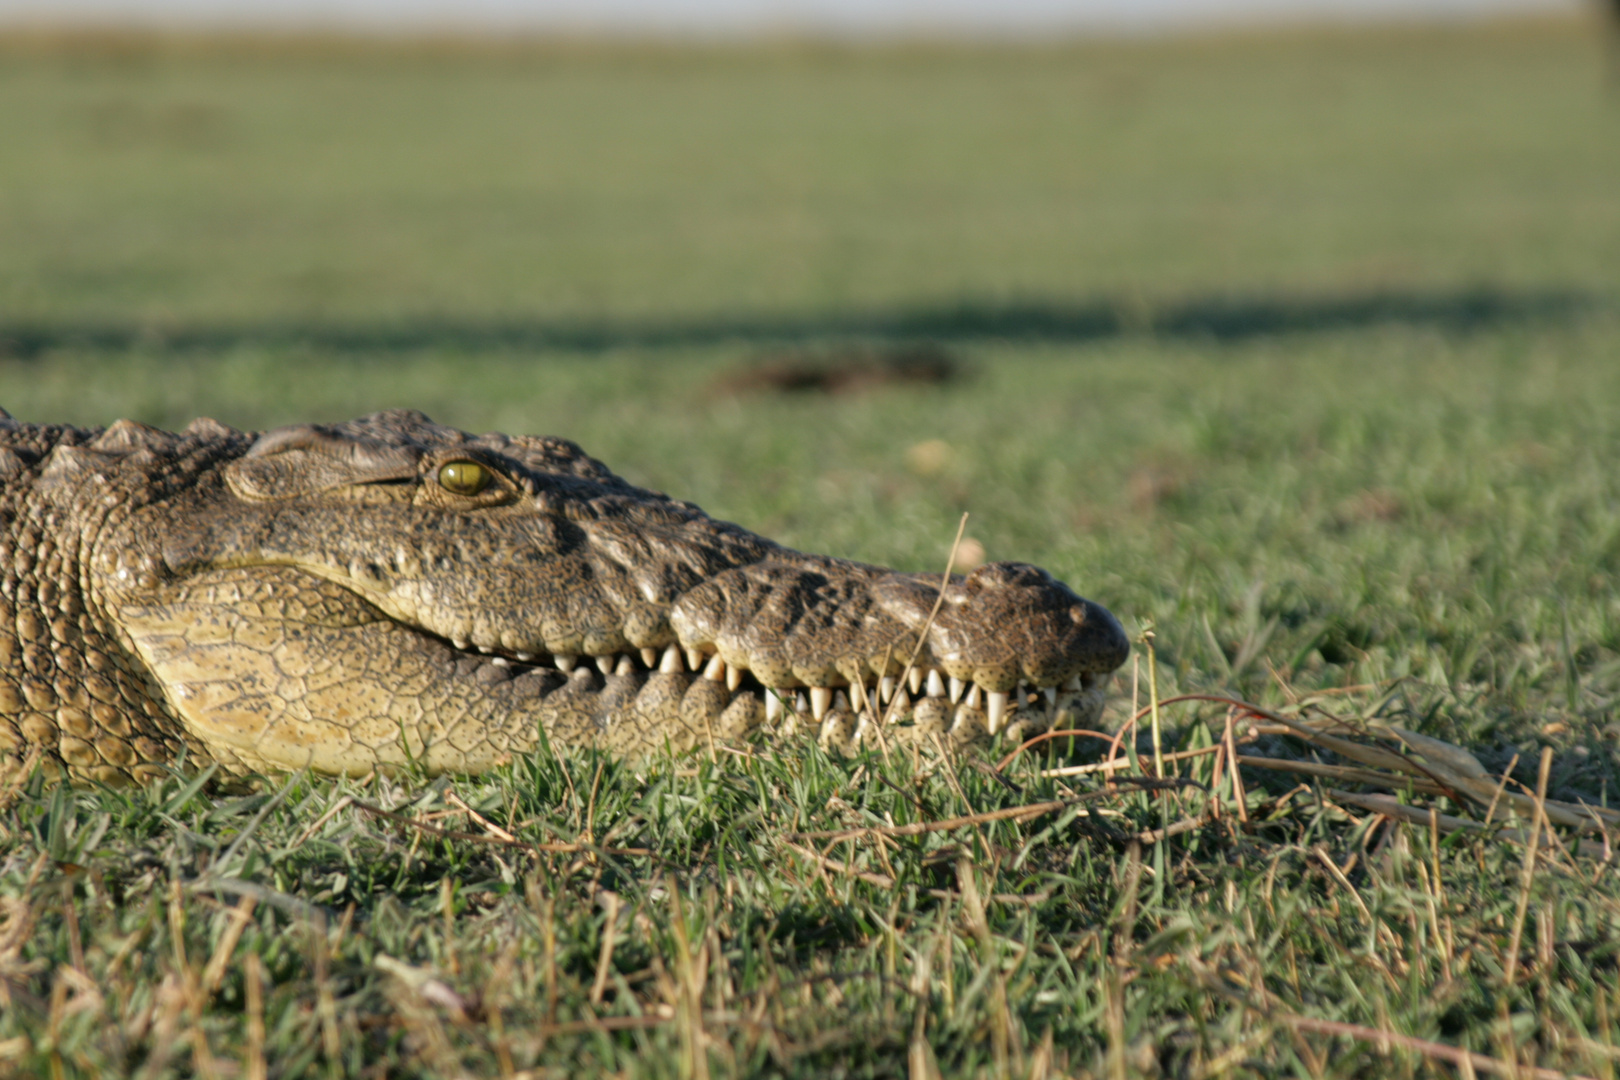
{"x":1008,"y":633}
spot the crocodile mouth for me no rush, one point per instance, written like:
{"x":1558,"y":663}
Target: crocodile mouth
{"x":731,"y":701}
{"x":276,"y":668}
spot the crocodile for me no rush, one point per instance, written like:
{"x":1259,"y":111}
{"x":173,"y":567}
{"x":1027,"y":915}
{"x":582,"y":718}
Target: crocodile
{"x":389,"y":593}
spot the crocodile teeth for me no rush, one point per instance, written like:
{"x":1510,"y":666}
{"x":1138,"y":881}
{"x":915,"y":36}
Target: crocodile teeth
{"x":820,"y":699}
{"x":914,"y":679}
{"x":1050,"y":692}
{"x":862,"y":722}
{"x":973,"y":696}
{"x":995,"y":707}
{"x":694,"y":659}
{"x":716,"y":671}
{"x":886,"y":689}
{"x":799,"y":703}
{"x":461,"y":643}
{"x":649,"y":658}
{"x":957,"y":686}
{"x":1072,"y":684}
{"x":604,"y":664}
{"x":525,"y":657}
{"x":625,"y":665}
{"x":485,"y":649}
{"x":671,"y":663}
{"x":500,"y":661}
{"x":936,"y":685}
{"x":773,"y":706}
{"x":840,"y":701}
{"x":565,"y":662}
{"x":734,"y":676}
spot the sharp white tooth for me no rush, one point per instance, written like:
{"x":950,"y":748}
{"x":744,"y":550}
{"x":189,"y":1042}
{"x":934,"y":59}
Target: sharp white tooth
{"x":625,"y":665}
{"x":914,"y":679}
{"x":820,"y":699}
{"x":773,"y":706}
{"x":460,"y":643}
{"x":716,"y":671}
{"x":973,"y":696}
{"x":995,"y":707}
{"x":694,"y":659}
{"x":1072,"y":684}
{"x":671,"y":663}
{"x":524,"y":656}
{"x":500,"y":661}
{"x":565,"y":662}
{"x":1050,"y":693}
{"x":581,"y":673}
{"x":800,"y":705}
{"x":604,"y":664}
{"x":485,"y":649}
{"x":841,"y":701}
{"x":733,"y":677}
{"x":862,"y":722}
{"x":886,"y":689}
{"x":936,"y":685}
{"x":957,"y":686}
{"x":649,"y":658}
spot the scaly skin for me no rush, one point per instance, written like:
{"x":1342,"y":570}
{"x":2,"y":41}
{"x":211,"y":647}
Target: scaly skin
{"x":354,"y":597}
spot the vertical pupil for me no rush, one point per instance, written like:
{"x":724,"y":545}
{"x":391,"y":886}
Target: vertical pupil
{"x":462,"y":477}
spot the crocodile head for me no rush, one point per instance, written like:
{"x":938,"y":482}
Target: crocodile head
{"x":356,"y":596}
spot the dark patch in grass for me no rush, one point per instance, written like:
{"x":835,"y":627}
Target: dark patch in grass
{"x":1215,"y":318}
{"x":844,"y":371}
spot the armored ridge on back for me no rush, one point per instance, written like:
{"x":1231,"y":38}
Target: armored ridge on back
{"x":360,"y":595}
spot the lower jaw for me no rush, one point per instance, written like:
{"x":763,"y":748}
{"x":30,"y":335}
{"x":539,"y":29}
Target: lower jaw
{"x":637,"y":711}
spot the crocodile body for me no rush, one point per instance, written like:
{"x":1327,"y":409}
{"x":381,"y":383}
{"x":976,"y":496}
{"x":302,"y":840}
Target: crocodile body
{"x":358,"y":596}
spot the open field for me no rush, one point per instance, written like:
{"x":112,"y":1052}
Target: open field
{"x":1303,"y":350}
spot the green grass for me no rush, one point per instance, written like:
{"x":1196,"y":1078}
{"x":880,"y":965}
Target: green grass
{"x":1301,"y":349}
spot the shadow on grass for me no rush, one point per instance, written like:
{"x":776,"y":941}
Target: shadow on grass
{"x":1213,"y":318}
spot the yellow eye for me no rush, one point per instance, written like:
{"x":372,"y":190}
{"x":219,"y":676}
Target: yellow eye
{"x":463,"y":477}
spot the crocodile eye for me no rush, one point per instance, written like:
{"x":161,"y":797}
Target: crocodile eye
{"x":463,"y":477}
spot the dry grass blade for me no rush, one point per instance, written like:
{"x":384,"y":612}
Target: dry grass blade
{"x":477,"y":838}
{"x":1118,"y":764}
{"x":922,"y":636}
{"x":1345,"y":773}
{"x":882,"y":881}
{"x":1439,"y":1051}
{"x":1343,"y":882}
{"x":1185,"y":825}
{"x":1512,"y":967}
{"x":918,"y":828}
{"x":215,"y":971}
{"x":1047,"y":736}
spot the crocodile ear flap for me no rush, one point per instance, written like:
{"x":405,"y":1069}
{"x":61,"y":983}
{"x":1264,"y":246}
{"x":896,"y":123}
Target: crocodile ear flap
{"x":303,"y":459}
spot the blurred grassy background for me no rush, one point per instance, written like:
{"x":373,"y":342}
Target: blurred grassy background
{"x":1303,"y":344}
